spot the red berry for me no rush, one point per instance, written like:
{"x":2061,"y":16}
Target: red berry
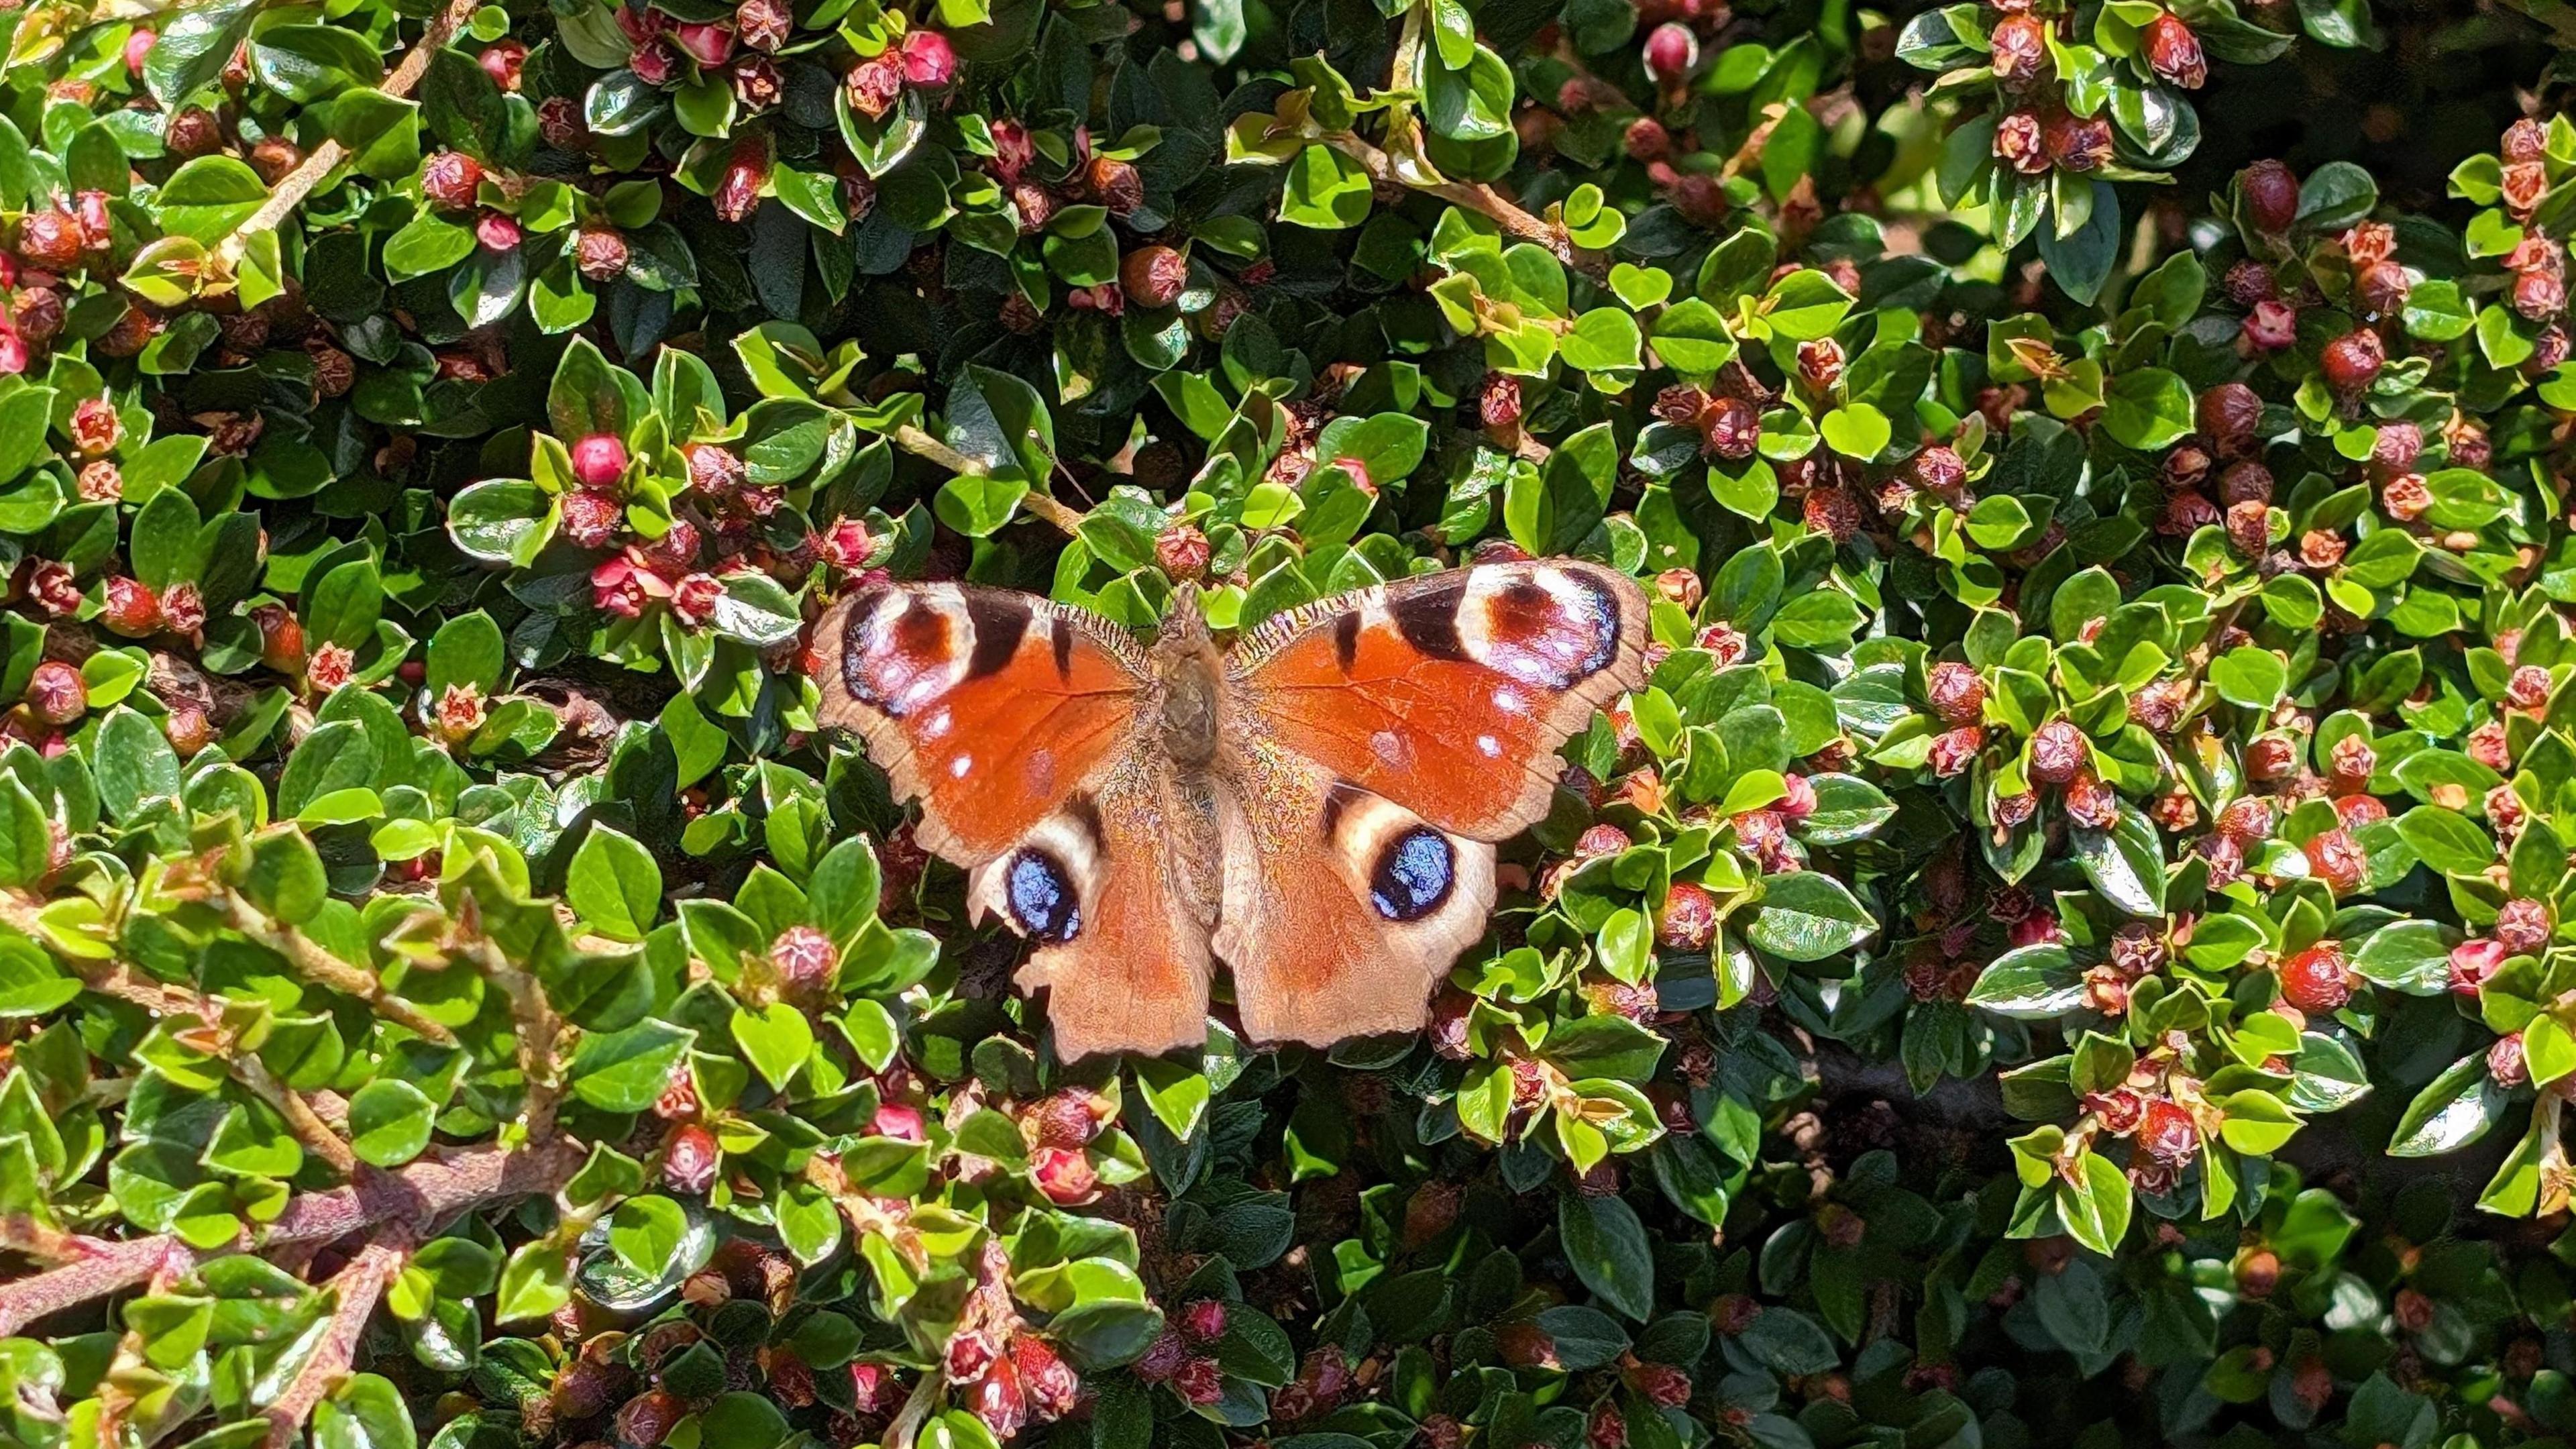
{"x":132,"y":609}
{"x":1600,"y":840}
{"x":2522,"y":926}
{"x":1731,"y":429}
{"x":2167,"y":1133}
{"x":601,"y":254}
{"x":450,"y":180}
{"x":929,"y":61}
{"x":2506,"y":1063}
{"x":2353,"y":360}
{"x":2317,"y":980}
{"x":2077,"y":143}
{"x":1164,"y":1357}
{"x":689,"y":1158}
{"x":503,"y":61}
{"x":2021,"y":143}
{"x":2020,"y":48}
{"x":1671,"y":50}
{"x":805,"y":958}
{"x":1115,"y":184}
{"x":1940,"y":471}
{"x":737,"y":195}
{"x":1204,"y":1320}
{"x":2337,"y":859}
{"x":1066,"y":1121}
{"x":2057,"y":752}
{"x":2229,"y":416}
{"x":1953,"y":751}
{"x":1958,"y":693}
{"x":2270,"y":195}
{"x":708,"y":43}
{"x":56,"y":693}
{"x":1200,"y":1381}
{"x":1047,"y":1380}
{"x":1689,"y":920}
{"x":50,"y":240}
{"x":1065,"y":1176}
{"x":1153,"y":276}
{"x":2174,"y":53}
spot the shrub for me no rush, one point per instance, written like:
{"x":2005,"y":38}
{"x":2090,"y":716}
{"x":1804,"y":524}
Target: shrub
{"x":2065,"y":950}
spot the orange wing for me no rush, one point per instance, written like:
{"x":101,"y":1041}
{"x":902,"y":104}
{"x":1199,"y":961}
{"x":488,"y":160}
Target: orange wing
{"x":1448,"y":694}
{"x":990,"y":707}
{"x":1014,"y":721}
{"x":1342,"y":908}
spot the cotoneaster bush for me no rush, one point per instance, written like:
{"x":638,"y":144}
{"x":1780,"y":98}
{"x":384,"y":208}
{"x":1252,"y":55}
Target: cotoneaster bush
{"x":2074,"y":946}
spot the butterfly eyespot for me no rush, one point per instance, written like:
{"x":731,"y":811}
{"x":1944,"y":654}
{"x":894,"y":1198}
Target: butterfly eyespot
{"x":1414,"y":875}
{"x":1042,"y":898}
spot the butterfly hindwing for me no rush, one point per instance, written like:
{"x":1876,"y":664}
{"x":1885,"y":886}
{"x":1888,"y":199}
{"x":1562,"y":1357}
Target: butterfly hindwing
{"x":1342,"y":909}
{"x":1121,"y":936}
{"x":1449,"y":694}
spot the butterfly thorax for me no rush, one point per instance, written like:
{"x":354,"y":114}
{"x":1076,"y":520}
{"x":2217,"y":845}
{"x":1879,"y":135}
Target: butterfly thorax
{"x":1189,"y":675}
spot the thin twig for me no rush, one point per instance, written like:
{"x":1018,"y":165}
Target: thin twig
{"x":326,"y":158}
{"x":357,"y":1288}
{"x":122,"y":981}
{"x":418,"y":1196}
{"x":538,"y":1027}
{"x":315,"y":1135}
{"x":914,"y":440}
{"x":318,"y":965}
{"x":1477,"y":197}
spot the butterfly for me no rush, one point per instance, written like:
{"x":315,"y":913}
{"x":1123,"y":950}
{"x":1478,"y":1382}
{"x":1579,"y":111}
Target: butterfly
{"x":1316,"y":806}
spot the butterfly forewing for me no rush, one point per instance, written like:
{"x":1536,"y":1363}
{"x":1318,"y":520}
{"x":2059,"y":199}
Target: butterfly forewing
{"x":1449,"y":694}
{"x":991,"y":707}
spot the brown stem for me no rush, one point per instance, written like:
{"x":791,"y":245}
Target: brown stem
{"x":322,"y":968}
{"x":1476,"y":197}
{"x":538,"y":1027}
{"x":326,"y":158}
{"x":316,"y":1135}
{"x":914,"y":440}
{"x":416,"y":1197}
{"x":357,"y":1288}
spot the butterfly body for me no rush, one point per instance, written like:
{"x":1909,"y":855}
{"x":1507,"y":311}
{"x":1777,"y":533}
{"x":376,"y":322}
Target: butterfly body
{"x":1316,"y":807}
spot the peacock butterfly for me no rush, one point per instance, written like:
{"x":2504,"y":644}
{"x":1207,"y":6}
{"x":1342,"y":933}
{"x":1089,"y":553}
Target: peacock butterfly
{"x":1316,"y":806}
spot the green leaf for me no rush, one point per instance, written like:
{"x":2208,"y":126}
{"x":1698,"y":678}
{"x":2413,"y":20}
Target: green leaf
{"x":626,"y":1071}
{"x":1326,"y":190}
{"x":2447,"y":841}
{"x":1609,"y":1251}
{"x":2248,"y":676}
{"x":389,"y":1122}
{"x":2454,"y":1110}
{"x":614,"y":885}
{"x":2148,"y":408}
{"x":1808,"y":916}
{"x":776,"y":1041}
{"x":1855,"y":431}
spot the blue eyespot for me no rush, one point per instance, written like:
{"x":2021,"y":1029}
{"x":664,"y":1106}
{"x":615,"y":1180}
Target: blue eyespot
{"x":1413,"y":875}
{"x":1042,"y":898}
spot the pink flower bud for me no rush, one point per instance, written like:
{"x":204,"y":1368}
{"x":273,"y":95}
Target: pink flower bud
{"x":599,"y":460}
